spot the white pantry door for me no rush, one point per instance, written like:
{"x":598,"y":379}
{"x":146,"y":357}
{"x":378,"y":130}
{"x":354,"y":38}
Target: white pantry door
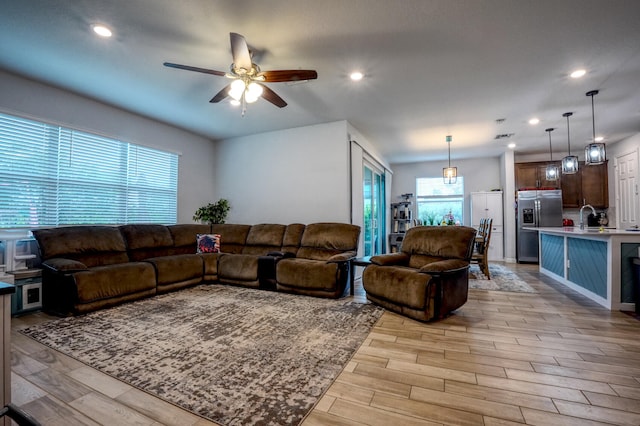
{"x":627,"y":200}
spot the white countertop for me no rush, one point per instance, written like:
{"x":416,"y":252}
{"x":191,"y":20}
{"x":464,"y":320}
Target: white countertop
{"x":573,"y":230}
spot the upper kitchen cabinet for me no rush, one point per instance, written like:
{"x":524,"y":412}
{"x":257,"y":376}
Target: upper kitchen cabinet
{"x":533,"y":175}
{"x":588,"y":186}
{"x":595,"y":186}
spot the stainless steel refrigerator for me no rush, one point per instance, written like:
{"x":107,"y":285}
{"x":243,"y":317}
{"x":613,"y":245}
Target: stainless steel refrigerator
{"x":537,"y":208}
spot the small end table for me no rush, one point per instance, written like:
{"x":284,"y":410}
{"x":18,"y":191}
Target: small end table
{"x":358,"y":261}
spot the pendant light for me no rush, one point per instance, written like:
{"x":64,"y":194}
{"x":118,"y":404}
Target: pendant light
{"x":595,"y":152}
{"x":450,"y":174}
{"x":552,"y":170}
{"x":570,"y":162}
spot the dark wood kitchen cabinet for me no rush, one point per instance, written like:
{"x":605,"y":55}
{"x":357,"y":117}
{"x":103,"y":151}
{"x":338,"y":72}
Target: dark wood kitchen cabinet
{"x":588,"y":186}
{"x":533,"y":175}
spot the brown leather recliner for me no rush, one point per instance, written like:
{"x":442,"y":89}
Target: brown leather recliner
{"x":428,"y":278}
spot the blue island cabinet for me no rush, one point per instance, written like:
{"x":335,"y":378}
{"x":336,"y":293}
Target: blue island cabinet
{"x":587,"y":264}
{"x":594,"y":263}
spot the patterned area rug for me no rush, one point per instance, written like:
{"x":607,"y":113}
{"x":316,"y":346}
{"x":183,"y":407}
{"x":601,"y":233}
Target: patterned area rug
{"x":233,"y":355}
{"x":502,"y":279}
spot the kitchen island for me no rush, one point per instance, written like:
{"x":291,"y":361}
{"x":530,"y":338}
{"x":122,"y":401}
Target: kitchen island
{"x":594,"y":262}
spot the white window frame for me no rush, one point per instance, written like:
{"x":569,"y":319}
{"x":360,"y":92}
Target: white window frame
{"x":54,"y":176}
{"x":433,"y":190}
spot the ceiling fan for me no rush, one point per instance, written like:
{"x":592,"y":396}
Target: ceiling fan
{"x":247,"y":85}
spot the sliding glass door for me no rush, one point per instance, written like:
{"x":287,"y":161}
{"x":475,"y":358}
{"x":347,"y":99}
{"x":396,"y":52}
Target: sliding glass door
{"x":374,"y":210}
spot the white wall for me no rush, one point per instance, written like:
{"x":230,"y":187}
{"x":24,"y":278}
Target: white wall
{"x":293,"y":175}
{"x":30,"y":99}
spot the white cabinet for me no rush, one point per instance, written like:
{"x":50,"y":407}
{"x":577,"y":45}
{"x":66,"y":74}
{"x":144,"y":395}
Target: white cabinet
{"x":490,"y":205}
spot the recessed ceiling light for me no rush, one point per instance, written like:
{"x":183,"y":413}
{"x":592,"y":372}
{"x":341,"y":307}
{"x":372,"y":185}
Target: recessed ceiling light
{"x":512,"y":145}
{"x":356,"y":76}
{"x":534,"y":121}
{"x":102,"y":31}
{"x":578,"y":73}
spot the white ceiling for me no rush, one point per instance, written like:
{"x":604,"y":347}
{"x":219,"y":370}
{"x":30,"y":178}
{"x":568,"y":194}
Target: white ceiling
{"x":432,"y":67}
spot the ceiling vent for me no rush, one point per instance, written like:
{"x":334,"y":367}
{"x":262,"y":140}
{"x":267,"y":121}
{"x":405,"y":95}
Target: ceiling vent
{"x":503,"y":136}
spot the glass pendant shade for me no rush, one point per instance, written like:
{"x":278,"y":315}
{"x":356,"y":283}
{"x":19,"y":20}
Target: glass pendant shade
{"x":570,"y":165}
{"x":551,"y":172}
{"x":594,"y":153}
{"x":570,"y":162}
{"x":450,"y":174}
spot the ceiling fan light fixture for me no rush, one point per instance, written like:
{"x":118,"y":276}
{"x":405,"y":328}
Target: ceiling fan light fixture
{"x":449,"y":174}
{"x":594,"y":153}
{"x":254,"y":89}
{"x":236,"y":89}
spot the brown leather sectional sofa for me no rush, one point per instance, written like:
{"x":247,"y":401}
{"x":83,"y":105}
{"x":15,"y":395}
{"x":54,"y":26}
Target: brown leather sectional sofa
{"x":86,"y":268}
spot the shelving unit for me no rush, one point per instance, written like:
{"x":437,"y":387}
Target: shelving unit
{"x":20,"y":265}
{"x":401,"y":219}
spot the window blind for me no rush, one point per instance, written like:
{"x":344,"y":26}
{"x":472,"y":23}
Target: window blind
{"x":51,"y":176}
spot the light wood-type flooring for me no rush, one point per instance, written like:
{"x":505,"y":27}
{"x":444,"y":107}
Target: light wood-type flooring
{"x":551,"y":358}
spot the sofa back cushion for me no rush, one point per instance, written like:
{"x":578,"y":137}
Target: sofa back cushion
{"x":426,"y":244}
{"x":264,"y":238}
{"x":185,"y":236}
{"x":232,"y":236}
{"x":145,"y":241}
{"x":91,"y":245}
{"x":320,"y":241}
{"x":292,"y":238}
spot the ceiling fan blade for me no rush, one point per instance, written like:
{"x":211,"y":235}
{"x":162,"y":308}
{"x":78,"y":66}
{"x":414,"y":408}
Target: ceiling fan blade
{"x":190,"y":68}
{"x":271,"y":96}
{"x":221,"y":94}
{"x":240,"y":52}
{"x":288,"y":75}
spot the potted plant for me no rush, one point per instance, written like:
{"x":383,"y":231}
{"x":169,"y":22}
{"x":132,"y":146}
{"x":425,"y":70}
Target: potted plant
{"x":213,"y":212}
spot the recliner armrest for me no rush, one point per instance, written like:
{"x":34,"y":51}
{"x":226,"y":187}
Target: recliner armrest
{"x":442,"y":267}
{"x":399,"y":258}
{"x":447,"y":266}
{"x":342,"y":257}
{"x":64,"y":266}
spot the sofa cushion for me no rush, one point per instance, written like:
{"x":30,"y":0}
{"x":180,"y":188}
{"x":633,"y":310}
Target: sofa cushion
{"x":320,"y":241}
{"x":400,"y":284}
{"x":104,"y":282}
{"x":308,"y":274}
{"x":238,"y":267}
{"x":292,"y":237}
{"x":232,"y":236}
{"x":264,"y":238}
{"x":444,"y":242}
{"x":177,"y":268}
{"x":91,"y":245}
{"x":147,"y":240}
{"x":184,"y":236}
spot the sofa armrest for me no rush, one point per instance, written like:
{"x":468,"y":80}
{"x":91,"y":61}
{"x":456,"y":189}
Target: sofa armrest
{"x":64,"y":266}
{"x":447,"y":266}
{"x":342,"y":257}
{"x":399,"y":258}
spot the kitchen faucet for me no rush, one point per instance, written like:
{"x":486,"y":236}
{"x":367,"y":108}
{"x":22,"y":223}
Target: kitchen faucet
{"x":581,"y":209}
